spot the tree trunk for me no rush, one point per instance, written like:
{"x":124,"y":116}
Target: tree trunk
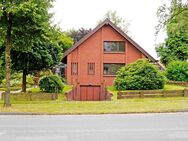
{"x":8,"y":60}
{"x":24,"y":75}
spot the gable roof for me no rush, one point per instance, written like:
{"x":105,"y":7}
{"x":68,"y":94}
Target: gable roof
{"x":108,"y":22}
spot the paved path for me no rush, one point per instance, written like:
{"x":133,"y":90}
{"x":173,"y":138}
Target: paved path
{"x":134,"y":127}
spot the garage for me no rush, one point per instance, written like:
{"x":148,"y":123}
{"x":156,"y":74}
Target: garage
{"x":88,"y":93}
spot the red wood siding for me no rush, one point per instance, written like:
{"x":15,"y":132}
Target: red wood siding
{"x":91,"y":50}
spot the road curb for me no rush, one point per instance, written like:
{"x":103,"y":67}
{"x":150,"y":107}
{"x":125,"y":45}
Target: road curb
{"x":6,"y":113}
{"x":123,"y":113}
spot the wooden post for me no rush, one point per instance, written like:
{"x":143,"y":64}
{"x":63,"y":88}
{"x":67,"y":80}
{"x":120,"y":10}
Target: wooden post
{"x":185,"y":92}
{"x":141,"y":94}
{"x":119,"y":95}
{"x":30,"y":97}
{"x":164,"y":93}
{"x":52,"y":96}
{"x":3,"y":95}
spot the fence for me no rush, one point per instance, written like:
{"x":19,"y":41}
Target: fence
{"x":153,"y":93}
{"x":178,"y":83}
{"x":32,"y":96}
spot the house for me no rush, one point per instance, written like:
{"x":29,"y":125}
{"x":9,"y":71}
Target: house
{"x":94,"y":60}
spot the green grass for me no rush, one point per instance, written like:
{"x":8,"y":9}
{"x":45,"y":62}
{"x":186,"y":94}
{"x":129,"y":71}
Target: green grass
{"x":103,"y":107}
{"x":166,"y":87}
{"x":136,"y":105}
{"x":37,"y":89}
{"x":67,"y":88}
{"x":12,"y":89}
{"x":174,"y":87}
{"x":34,"y":90}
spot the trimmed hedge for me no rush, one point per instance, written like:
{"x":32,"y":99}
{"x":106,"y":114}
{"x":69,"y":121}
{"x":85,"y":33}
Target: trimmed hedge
{"x":51,"y":84}
{"x":141,"y":75}
{"x":177,"y":71}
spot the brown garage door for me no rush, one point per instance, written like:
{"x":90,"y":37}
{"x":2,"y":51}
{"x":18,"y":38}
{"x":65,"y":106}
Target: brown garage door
{"x":88,"y":93}
{"x":91,"y":93}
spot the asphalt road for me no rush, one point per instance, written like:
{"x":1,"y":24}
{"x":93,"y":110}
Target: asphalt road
{"x":134,"y":127}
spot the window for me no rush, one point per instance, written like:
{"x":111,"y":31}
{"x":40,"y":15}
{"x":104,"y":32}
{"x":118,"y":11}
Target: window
{"x":91,"y":68}
{"x":111,"y":46}
{"x":111,"y":69}
{"x":74,"y":68}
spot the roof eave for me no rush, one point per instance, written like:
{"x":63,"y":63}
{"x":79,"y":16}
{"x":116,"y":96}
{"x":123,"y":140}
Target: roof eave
{"x":108,"y":22}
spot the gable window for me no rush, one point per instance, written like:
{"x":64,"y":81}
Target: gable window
{"x":114,"y":46}
{"x":91,"y":68}
{"x":111,"y":69}
{"x":74,"y":68}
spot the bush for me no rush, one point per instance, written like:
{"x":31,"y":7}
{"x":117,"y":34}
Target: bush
{"x":141,"y":75}
{"x":177,"y":71}
{"x":51,"y":84}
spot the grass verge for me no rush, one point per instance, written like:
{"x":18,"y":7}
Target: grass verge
{"x":144,"y":105}
{"x":136,"y":105}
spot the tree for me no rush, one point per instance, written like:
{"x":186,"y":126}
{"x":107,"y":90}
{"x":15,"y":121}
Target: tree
{"x":22,"y":24}
{"x":64,"y":40}
{"x":140,"y":75}
{"x":42,"y":55}
{"x":117,"y":20}
{"x":76,"y":35}
{"x":175,"y":20}
{"x":177,"y":71}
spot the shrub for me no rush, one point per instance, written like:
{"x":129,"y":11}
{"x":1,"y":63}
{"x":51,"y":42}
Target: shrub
{"x":177,"y":71}
{"x":51,"y":84}
{"x":141,"y":75}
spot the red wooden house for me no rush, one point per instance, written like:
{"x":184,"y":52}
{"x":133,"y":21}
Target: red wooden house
{"x":93,"y":61}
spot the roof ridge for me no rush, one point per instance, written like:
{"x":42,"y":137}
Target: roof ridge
{"x":108,"y":22}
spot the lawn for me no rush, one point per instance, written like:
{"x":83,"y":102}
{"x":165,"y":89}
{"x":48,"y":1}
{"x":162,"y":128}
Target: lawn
{"x":136,"y":105}
{"x":12,"y":89}
{"x":65,"y":89}
{"x":104,"y":107}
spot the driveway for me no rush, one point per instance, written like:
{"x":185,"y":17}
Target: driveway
{"x":134,"y":127}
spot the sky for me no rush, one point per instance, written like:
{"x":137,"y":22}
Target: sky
{"x":141,"y":14}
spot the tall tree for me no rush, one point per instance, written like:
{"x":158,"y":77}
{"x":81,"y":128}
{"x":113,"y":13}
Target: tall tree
{"x":43,"y":55}
{"x":76,"y":35}
{"x":117,"y":20}
{"x":65,"y":40}
{"x":174,"y":20}
{"x":23,"y":22}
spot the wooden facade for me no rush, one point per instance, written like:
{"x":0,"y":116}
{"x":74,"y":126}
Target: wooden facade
{"x":93,"y":60}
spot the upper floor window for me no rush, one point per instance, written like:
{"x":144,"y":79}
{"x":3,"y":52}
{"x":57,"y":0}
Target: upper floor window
{"x":74,"y":68}
{"x":112,"y":68}
{"x":91,"y":68}
{"x":114,"y":46}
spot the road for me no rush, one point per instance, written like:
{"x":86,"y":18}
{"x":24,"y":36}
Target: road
{"x":133,"y":127}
